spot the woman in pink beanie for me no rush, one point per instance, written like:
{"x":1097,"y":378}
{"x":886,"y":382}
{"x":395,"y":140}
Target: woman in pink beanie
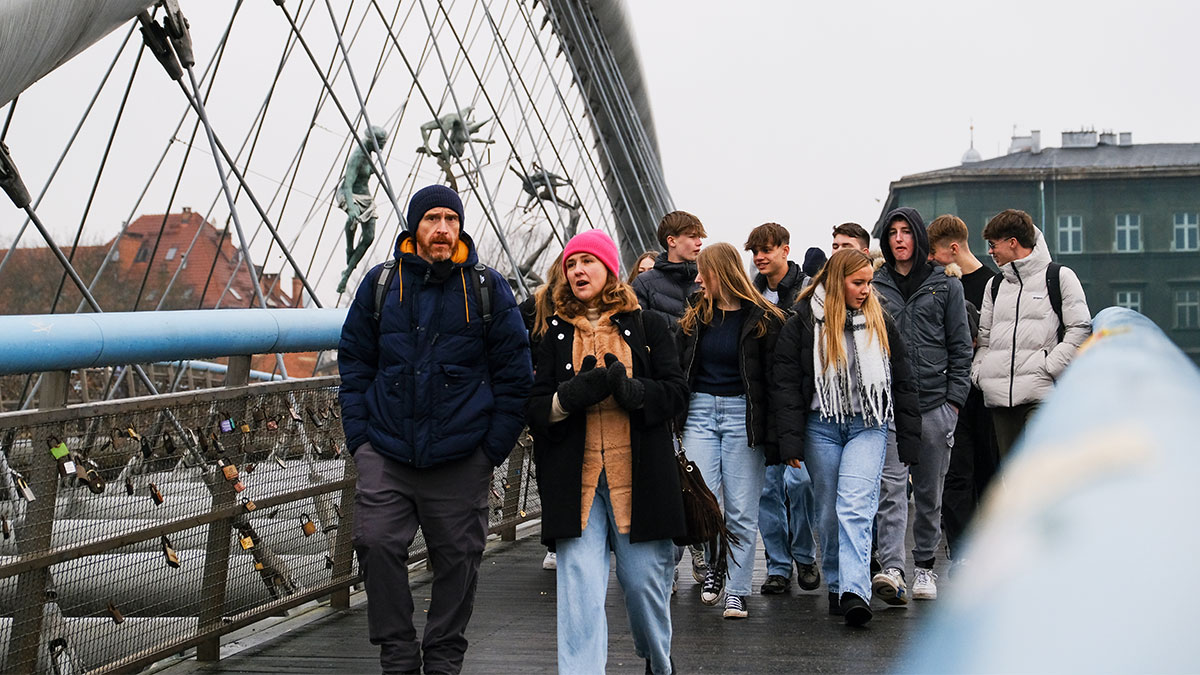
{"x":607,"y":385}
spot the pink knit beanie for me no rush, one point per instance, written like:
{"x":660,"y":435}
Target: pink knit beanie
{"x":598,"y":244}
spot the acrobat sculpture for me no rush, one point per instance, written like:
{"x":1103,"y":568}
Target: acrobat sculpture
{"x":354,"y":197}
{"x":455,"y":130}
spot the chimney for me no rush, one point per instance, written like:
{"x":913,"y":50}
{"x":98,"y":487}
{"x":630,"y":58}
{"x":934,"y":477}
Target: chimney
{"x":1126,"y":139}
{"x":1035,"y":141}
{"x":297,"y":292}
{"x":1079,"y":139}
{"x":1107,"y":137}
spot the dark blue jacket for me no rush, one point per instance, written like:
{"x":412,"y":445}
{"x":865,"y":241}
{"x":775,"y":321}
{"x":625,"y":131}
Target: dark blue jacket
{"x":665,"y":289}
{"x":423,"y":386}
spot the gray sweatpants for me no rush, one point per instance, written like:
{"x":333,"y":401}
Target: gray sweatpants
{"x":928,"y":475}
{"x":449,"y":503}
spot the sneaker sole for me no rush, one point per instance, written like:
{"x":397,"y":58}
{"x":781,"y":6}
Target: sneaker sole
{"x":765,"y":590}
{"x":710,"y":603}
{"x":810,"y":586}
{"x":888,"y":593}
{"x":858,"y":616}
{"x":919,"y":595}
{"x":734,"y":614}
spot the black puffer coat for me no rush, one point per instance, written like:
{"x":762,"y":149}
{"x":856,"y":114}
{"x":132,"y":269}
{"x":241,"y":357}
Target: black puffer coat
{"x":558,"y":448}
{"x":789,"y":287}
{"x":756,"y":358}
{"x":665,"y":289}
{"x":796,"y":387}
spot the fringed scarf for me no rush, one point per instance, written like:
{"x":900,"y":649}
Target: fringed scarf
{"x":872,"y":370}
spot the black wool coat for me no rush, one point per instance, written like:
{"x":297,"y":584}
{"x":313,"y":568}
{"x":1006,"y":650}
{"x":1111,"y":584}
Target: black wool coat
{"x":756,"y":359}
{"x":657,"y":507}
{"x":796,"y":387}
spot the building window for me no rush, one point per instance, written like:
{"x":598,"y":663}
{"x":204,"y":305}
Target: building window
{"x":1129,"y":233}
{"x":1187,"y":308}
{"x":143,"y":254}
{"x":1187,"y":232}
{"x":1070,"y":234}
{"x":171,"y":253}
{"x":1130,"y":300}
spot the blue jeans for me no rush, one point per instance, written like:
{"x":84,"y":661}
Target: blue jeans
{"x":845,"y":462}
{"x":786,"y":516}
{"x":715,"y":439}
{"x":644,"y":570}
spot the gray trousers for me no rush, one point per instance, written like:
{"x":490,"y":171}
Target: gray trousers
{"x":449,"y":503}
{"x":928,"y":475}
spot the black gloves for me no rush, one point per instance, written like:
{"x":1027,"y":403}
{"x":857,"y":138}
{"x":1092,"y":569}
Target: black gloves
{"x":587,"y":388}
{"x":629,"y":393}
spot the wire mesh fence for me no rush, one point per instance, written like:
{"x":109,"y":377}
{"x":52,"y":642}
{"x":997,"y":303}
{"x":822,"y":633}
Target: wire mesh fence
{"x":135,"y":529}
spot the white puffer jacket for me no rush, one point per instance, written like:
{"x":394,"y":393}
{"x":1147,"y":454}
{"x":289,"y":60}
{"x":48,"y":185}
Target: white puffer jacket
{"x":1019,"y":356}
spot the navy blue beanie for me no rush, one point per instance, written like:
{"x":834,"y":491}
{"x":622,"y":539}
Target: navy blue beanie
{"x":814,"y":260}
{"x":432,"y":197}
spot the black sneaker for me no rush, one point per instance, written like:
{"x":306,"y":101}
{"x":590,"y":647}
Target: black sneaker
{"x":775,"y":585}
{"x":856,"y":610}
{"x":808,"y":577}
{"x":714,"y":583}
{"x":835,"y":605}
{"x":735,"y":607}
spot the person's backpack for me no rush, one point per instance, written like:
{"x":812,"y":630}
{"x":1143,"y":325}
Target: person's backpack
{"x":480,"y":279}
{"x":1053,"y":289}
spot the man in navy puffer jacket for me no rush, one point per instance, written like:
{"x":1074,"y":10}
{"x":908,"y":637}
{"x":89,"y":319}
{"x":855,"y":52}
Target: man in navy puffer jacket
{"x":431,"y":400}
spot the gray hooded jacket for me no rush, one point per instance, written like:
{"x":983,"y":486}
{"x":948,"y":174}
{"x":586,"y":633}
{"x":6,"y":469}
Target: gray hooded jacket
{"x":933,"y":321}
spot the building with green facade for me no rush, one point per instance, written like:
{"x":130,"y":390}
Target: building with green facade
{"x":1125,"y":217}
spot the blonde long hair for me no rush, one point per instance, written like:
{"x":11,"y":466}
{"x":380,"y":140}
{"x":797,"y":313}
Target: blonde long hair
{"x":832,"y":276}
{"x":543,"y":298}
{"x":722,"y":264}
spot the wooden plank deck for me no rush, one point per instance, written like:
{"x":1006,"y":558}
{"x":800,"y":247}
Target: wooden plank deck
{"x":513,"y":630}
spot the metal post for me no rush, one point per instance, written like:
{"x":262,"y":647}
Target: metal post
{"x":216,"y":551}
{"x":35,"y":537}
{"x":512,"y":494}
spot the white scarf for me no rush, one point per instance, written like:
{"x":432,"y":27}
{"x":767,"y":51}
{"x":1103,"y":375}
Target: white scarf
{"x":873,"y":370}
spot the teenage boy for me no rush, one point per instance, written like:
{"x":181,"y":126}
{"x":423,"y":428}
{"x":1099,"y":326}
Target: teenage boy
{"x":1025,"y":343}
{"x":974,"y":458}
{"x":930,"y":312}
{"x":851,"y":235}
{"x":787,"y":496}
{"x":665,"y":289}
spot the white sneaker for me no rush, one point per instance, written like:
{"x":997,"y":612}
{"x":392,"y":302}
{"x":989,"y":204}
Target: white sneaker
{"x":889,"y":586}
{"x":925,"y":584}
{"x":550,"y":562}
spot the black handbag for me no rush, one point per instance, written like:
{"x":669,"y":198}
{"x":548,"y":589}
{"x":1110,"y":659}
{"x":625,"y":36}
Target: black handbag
{"x":702,"y":512}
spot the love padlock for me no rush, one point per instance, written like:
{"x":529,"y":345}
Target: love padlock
{"x":22,"y":486}
{"x":128,"y":485}
{"x":238,"y":486}
{"x":169,"y":553}
{"x":248,"y":504}
{"x":156,"y":495}
{"x":117,"y":617}
{"x":295,"y":414}
{"x":5,"y":527}
{"x":314,"y":417}
{"x":227,"y":423}
{"x":228,"y":470}
{"x":61,"y":455}
{"x":246,"y":541}
{"x":147,"y":448}
{"x":169,"y":444}
{"x":307,"y":525}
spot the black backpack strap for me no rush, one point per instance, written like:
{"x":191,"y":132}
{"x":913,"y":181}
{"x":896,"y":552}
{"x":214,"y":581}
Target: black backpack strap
{"x":1054,"y":290}
{"x":995,"y":289}
{"x":381,"y":287}
{"x":482,"y":281}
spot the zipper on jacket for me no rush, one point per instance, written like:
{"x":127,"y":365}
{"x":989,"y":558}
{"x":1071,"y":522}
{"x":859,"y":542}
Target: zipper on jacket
{"x":1012,"y":362}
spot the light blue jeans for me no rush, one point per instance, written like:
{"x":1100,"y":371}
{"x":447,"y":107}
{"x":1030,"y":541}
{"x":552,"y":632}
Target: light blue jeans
{"x":715,"y":439}
{"x":845,"y":462}
{"x":644,"y":571}
{"x":786,"y":516}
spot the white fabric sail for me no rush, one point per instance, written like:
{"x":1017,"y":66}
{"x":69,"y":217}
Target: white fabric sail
{"x":37,"y":36}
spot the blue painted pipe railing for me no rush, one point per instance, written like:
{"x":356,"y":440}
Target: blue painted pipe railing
{"x":1082,"y":556}
{"x":44,"y":342}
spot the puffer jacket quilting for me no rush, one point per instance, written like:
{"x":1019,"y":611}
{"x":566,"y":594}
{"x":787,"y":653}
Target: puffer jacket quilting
{"x":665,"y":289}
{"x":1019,"y":356}
{"x":421,"y":384}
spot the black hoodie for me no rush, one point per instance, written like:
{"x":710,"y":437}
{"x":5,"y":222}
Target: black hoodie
{"x":921,"y":266}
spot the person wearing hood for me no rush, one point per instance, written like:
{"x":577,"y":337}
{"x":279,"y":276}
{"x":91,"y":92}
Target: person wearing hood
{"x":432,"y":398}
{"x":786,"y":513}
{"x":1024,"y":344}
{"x":665,"y":289}
{"x":931,"y":313}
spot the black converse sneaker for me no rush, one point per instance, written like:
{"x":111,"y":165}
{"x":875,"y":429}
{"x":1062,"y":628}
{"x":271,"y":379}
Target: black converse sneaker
{"x":714,"y":583}
{"x":735,"y":607}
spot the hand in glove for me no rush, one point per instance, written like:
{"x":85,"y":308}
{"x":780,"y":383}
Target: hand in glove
{"x":587,"y":388}
{"x":629,"y":393}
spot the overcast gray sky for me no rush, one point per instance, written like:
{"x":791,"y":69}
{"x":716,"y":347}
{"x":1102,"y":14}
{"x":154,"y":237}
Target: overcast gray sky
{"x":802,"y":113}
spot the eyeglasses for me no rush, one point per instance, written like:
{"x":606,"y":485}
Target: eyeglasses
{"x":992,"y":244}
